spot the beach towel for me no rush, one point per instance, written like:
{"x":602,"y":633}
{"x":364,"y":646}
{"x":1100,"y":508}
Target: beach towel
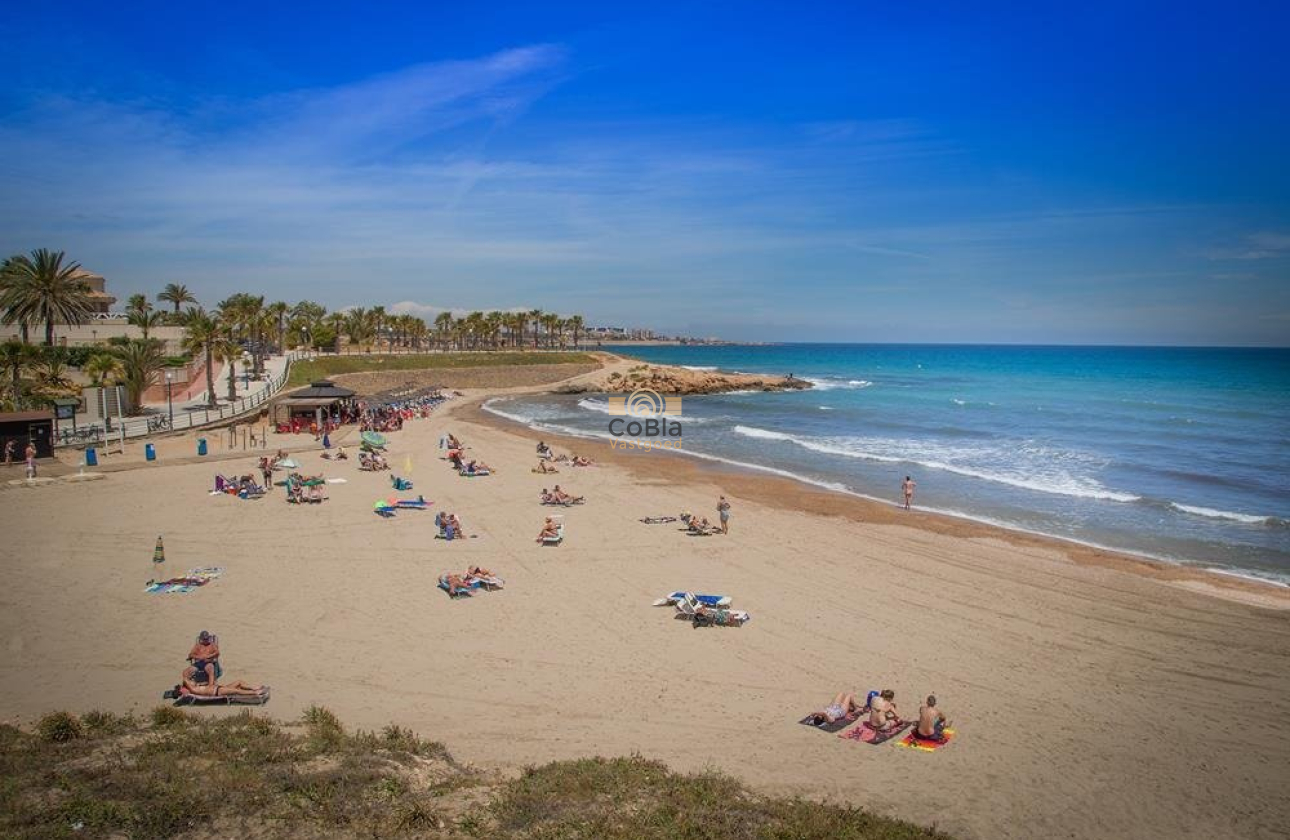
{"x":190,"y":581}
{"x":658,"y":520}
{"x":824,"y":725}
{"x":287,"y":464}
{"x":868,"y":735}
{"x":916,"y":742}
{"x":419,"y":503}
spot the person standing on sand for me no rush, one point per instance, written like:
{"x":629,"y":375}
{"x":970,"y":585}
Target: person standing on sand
{"x":908,"y":487}
{"x":10,"y":449}
{"x":31,"y":460}
{"x":723,"y":509}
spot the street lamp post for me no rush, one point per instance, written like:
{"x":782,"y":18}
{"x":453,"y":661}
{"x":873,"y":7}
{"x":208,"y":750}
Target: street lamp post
{"x":170,"y":405}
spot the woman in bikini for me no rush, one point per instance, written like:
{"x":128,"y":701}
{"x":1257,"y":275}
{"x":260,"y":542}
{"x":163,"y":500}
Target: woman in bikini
{"x":233,"y":689}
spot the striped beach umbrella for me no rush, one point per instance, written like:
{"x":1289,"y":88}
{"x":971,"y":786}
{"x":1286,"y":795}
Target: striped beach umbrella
{"x":159,"y":553}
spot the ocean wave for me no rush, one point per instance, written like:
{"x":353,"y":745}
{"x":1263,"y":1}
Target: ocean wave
{"x":1058,"y":483}
{"x":829,"y":383}
{"x":594,"y":405}
{"x":700,"y":367}
{"x":1211,"y":513}
{"x":825,"y":407}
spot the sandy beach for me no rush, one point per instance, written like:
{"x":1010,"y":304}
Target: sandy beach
{"x":1094,"y":696}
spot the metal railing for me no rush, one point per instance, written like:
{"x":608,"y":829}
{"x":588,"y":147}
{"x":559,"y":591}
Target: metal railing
{"x":186,"y":418}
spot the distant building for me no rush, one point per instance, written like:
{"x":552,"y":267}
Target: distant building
{"x":100,"y":300}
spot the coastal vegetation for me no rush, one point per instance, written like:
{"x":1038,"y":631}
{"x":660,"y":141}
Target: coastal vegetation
{"x":322,"y":367}
{"x":44,"y":289}
{"x":102,"y":775}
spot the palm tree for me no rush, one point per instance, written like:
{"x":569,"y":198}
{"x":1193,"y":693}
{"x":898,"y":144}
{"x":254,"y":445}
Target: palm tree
{"x":535,"y":315}
{"x":41,"y":288}
{"x":576,"y":324}
{"x":8,"y":298}
{"x":176,"y":294}
{"x":360,"y":326}
{"x":277,"y":313}
{"x":145,"y":321}
{"x":101,"y":367}
{"x":16,"y":358}
{"x":201,"y":331}
{"x":443,"y":324}
{"x":336,"y":322}
{"x":141,"y":361}
{"x":51,"y":374}
{"x":227,"y":349}
{"x":550,"y":322}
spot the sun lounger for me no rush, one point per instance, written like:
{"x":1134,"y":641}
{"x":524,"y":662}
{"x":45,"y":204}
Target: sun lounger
{"x":183,"y":697}
{"x":488,"y":584}
{"x":419,"y":503}
{"x":689,"y":607}
{"x":558,"y":538}
{"x":706,"y":600}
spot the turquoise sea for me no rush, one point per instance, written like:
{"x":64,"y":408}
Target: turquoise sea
{"x":1176,"y":453}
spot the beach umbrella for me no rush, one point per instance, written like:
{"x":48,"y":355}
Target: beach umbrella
{"x":326,"y":441}
{"x":159,"y":553}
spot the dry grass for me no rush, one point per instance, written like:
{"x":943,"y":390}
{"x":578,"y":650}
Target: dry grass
{"x":302,"y":373}
{"x":181,"y":775}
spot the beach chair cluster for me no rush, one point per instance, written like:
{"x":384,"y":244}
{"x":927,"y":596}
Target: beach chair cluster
{"x":243,"y":487}
{"x":704,"y":610}
{"x":474,"y":580}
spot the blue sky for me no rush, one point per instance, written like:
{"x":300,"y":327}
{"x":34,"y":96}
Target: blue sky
{"x":1096,"y":173}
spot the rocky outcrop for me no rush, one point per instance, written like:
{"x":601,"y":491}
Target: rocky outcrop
{"x":678,"y":380}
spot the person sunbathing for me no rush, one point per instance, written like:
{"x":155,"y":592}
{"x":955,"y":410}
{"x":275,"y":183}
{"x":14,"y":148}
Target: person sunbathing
{"x":701,"y":525}
{"x":477,"y":468}
{"x":214,"y":689}
{"x":454,"y":525}
{"x":544,"y":467}
{"x":564,"y":498}
{"x":543,"y":451}
{"x":882,"y":711}
{"x":931,"y":721}
{"x":457,"y":585}
{"x":844,"y":706}
{"x":549,"y":530}
{"x":453,"y":443}
{"x":579,"y":461}
{"x":341,"y":455}
{"x":479,"y":572}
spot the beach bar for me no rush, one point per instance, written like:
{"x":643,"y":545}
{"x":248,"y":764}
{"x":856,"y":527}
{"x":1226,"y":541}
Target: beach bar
{"x":321,"y":400}
{"x":24,"y":426}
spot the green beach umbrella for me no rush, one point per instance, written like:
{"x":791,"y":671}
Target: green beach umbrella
{"x":159,"y":553}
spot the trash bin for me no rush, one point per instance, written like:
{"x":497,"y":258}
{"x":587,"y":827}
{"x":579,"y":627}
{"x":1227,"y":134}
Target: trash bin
{"x":149,"y":452}
{"x":91,"y":457}
{"x":201,"y":446}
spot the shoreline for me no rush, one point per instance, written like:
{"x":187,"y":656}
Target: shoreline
{"x":1231,"y":585}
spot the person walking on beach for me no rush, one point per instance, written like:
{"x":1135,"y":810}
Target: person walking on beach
{"x":10,"y":449}
{"x":723,"y":509}
{"x":31,"y":460}
{"x":908,"y":487}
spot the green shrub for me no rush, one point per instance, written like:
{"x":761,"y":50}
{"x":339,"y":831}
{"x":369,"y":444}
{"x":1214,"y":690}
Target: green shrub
{"x":59,"y":727}
{"x":169,"y":716}
{"x":106,"y":723}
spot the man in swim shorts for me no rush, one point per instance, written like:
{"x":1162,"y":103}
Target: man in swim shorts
{"x":931,"y":722}
{"x":907,"y":486}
